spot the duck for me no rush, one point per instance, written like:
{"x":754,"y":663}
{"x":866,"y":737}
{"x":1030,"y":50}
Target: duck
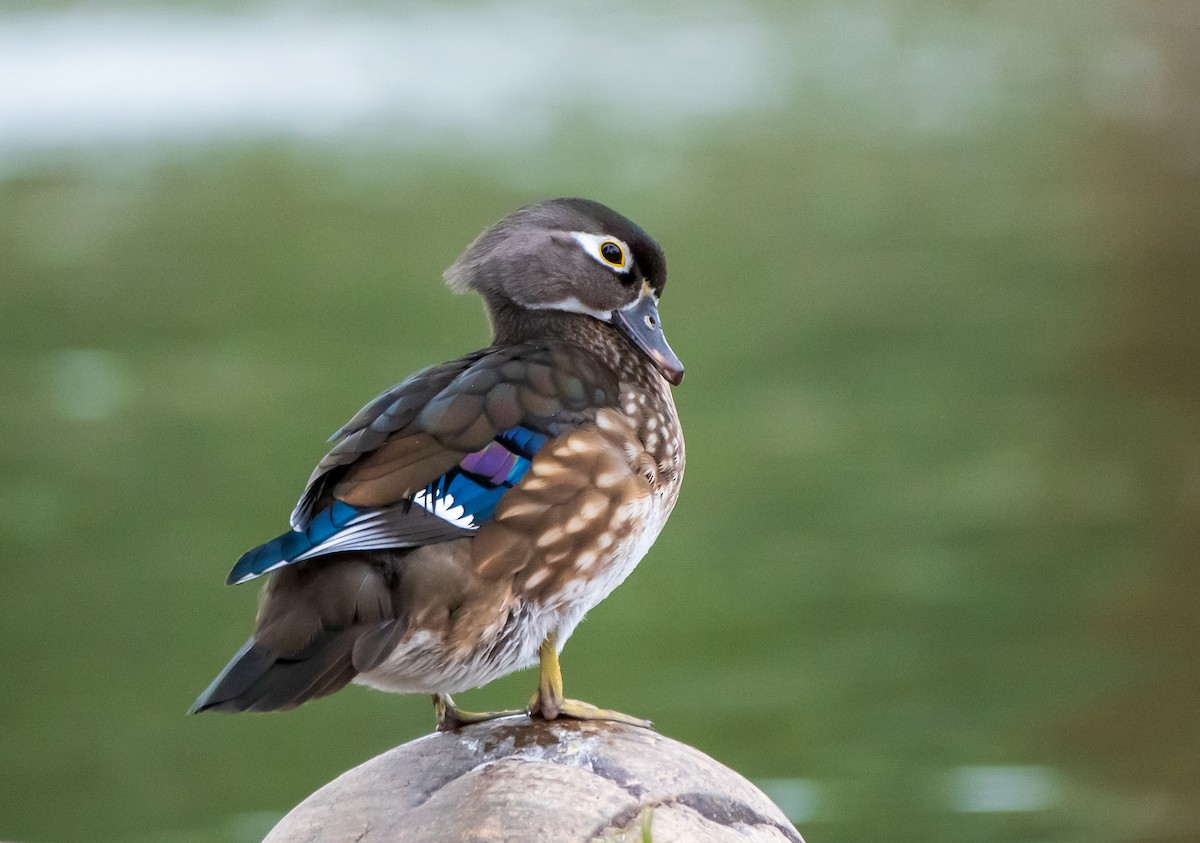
{"x":467,"y":519}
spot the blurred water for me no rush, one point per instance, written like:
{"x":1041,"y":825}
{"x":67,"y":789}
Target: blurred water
{"x":992,"y":789}
{"x":934,"y":275}
{"x":505,"y":73}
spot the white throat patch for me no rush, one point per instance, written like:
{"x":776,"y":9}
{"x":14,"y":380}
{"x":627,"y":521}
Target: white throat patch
{"x":572,"y":304}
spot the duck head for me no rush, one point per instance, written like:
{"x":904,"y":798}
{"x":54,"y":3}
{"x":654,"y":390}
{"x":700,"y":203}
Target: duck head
{"x":570,"y":256}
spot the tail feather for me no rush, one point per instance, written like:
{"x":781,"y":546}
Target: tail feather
{"x":291,"y":682}
{"x":245,"y":668}
{"x":257,"y":679}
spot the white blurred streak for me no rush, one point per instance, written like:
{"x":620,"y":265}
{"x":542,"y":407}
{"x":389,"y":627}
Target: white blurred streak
{"x":509,"y":73}
{"x":83,"y":77}
{"x":798,"y":798}
{"x":987,"y":789}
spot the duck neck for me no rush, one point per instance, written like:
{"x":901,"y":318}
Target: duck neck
{"x":513,"y":324}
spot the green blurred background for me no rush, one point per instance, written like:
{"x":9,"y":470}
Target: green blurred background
{"x":935,"y":275}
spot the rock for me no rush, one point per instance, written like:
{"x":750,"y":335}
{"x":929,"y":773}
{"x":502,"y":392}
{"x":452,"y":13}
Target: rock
{"x":563,"y":780}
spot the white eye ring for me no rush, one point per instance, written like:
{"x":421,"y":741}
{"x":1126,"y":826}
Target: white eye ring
{"x":594,"y":245}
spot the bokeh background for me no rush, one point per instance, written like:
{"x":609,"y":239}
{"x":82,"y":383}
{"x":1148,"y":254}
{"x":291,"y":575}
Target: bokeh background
{"x":935,"y":275}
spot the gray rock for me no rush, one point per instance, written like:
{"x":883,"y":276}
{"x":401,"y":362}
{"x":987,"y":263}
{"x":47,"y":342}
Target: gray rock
{"x":517,"y":780}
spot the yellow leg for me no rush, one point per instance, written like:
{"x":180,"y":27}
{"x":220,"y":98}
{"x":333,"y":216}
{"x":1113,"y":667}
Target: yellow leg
{"x":549,"y":702}
{"x":450,"y":716}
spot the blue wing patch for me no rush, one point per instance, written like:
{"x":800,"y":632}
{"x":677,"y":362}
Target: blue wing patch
{"x":460,"y":501}
{"x":472,"y":489}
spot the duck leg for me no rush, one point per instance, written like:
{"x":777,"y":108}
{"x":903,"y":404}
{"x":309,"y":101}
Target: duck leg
{"x":450,"y":716}
{"x":549,"y":702}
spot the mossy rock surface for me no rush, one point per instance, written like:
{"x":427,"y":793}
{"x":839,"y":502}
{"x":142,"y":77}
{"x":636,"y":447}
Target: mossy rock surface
{"x":517,"y":780}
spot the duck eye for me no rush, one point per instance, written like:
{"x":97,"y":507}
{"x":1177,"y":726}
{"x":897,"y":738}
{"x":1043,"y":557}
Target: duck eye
{"x":607,"y":250}
{"x":612,"y":253}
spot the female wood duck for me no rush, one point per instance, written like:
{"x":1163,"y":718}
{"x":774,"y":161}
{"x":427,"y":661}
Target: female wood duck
{"x":468,"y":518}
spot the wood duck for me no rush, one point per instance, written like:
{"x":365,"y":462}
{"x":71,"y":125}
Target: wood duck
{"x":468,"y":518}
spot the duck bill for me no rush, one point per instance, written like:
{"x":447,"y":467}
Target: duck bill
{"x":639,"y":321}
